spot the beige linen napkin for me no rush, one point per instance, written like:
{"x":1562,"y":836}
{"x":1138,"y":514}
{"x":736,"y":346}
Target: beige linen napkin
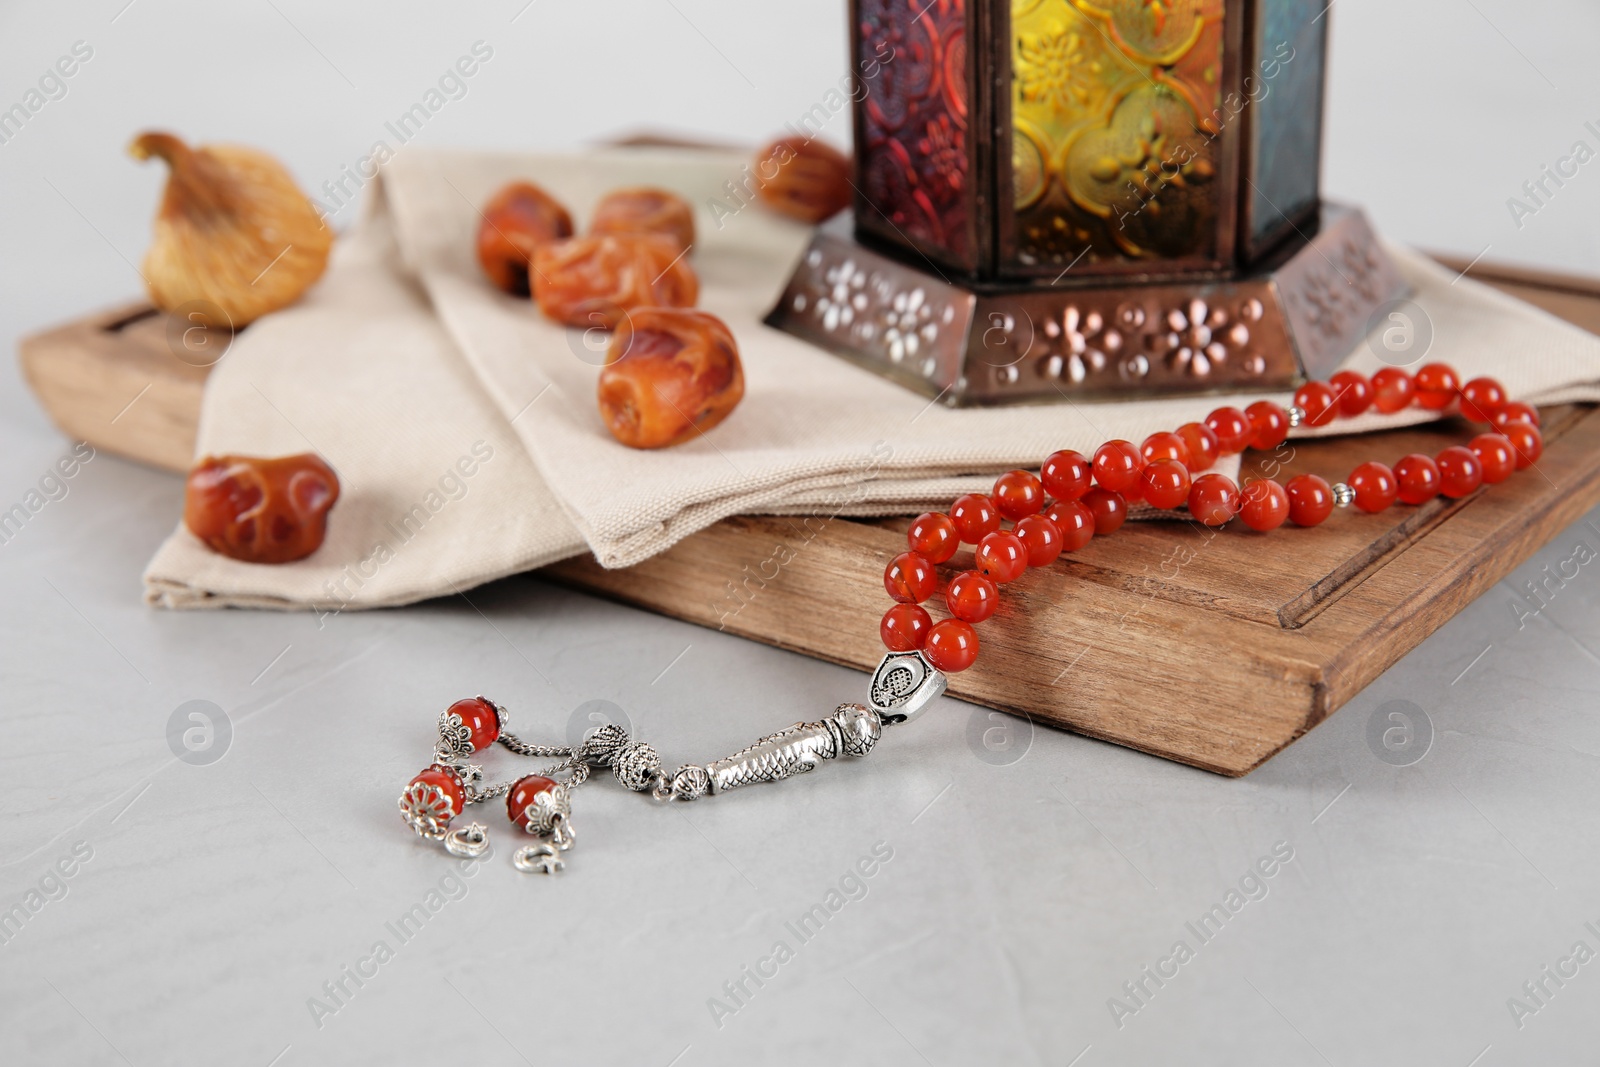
{"x":397,"y":388}
{"x":438,"y":495}
{"x":812,"y":428}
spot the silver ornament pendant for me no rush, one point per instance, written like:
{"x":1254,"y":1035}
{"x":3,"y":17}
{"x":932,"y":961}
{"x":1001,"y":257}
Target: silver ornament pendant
{"x":903,"y":686}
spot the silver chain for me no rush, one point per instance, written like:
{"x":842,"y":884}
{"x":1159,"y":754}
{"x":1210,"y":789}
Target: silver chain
{"x":478,"y":796}
{"x":579,"y":769}
{"x":522,"y":748}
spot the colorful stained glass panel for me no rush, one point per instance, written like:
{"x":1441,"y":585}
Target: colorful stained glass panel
{"x":1118,"y":116}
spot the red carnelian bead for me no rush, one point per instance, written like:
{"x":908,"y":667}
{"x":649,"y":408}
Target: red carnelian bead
{"x":952,"y":646}
{"x":480,"y":718}
{"x":1392,"y":390}
{"x":429,"y":794}
{"x":1018,"y":494}
{"x":1002,"y":556}
{"x":910,"y":579}
{"x":1318,"y":401}
{"x":1165,"y":484}
{"x":521,"y":797}
{"x":1041,"y":538}
{"x":933,"y":537}
{"x":1495,"y":455}
{"x":1375,"y":487}
{"x":1117,"y":465}
{"x":1526,"y":441}
{"x":1481,"y":398}
{"x":1459,"y":472}
{"x":1066,"y":475}
{"x":1263,"y":505}
{"x":971,"y":596}
{"x":905,"y":627}
{"x":1074,"y":521}
{"x":1160,"y":446}
{"x":974,"y":516}
{"x":1417,"y":477}
{"x":1354,"y":392}
{"x":1232,"y":429}
{"x":1213,"y":499}
{"x":1437,"y":386}
{"x":1110,"y":510}
{"x":1203,"y":446}
{"x":1269,"y":425}
{"x":1310,"y":499}
{"x":1517,"y":411}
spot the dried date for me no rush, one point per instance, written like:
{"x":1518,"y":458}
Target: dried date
{"x":645,"y":210}
{"x":803,"y":179}
{"x":597,"y":281}
{"x":260,"y":510}
{"x":670,"y":375}
{"x":519,"y":218}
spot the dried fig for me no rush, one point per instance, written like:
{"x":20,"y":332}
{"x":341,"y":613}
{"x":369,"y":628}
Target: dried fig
{"x":233,"y":232}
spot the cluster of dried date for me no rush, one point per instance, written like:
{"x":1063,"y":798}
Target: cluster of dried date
{"x":671,"y":372}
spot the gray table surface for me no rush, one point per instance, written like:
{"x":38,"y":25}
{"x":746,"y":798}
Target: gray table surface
{"x":1431,"y":847}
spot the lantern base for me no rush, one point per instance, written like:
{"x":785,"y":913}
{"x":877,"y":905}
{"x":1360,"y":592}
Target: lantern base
{"x":1295,"y":316}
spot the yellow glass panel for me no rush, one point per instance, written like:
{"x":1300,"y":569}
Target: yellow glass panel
{"x":1116,"y":109}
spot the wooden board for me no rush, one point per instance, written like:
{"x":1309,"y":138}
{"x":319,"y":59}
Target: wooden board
{"x":1215,"y":649}
{"x":113,"y":379}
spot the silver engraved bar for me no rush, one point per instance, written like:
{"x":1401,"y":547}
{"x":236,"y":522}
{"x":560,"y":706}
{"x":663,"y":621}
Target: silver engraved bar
{"x":851,"y":730}
{"x":904,"y":684}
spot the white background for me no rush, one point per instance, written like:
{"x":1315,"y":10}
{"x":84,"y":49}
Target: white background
{"x":1021,"y":896}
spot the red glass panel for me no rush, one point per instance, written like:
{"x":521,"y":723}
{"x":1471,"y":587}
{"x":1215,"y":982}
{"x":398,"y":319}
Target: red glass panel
{"x":914,"y":158}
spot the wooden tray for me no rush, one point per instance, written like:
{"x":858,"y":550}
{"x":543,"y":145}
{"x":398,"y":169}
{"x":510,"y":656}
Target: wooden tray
{"x":1212,"y":649}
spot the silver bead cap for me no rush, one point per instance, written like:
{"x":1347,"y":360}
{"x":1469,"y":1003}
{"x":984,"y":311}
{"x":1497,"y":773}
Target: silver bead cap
{"x":603,"y":746}
{"x":637,"y":766}
{"x":859,"y":728}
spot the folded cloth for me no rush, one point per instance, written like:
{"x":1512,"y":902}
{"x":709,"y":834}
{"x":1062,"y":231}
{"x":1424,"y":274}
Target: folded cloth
{"x":438,"y":494}
{"x":465,"y":430}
